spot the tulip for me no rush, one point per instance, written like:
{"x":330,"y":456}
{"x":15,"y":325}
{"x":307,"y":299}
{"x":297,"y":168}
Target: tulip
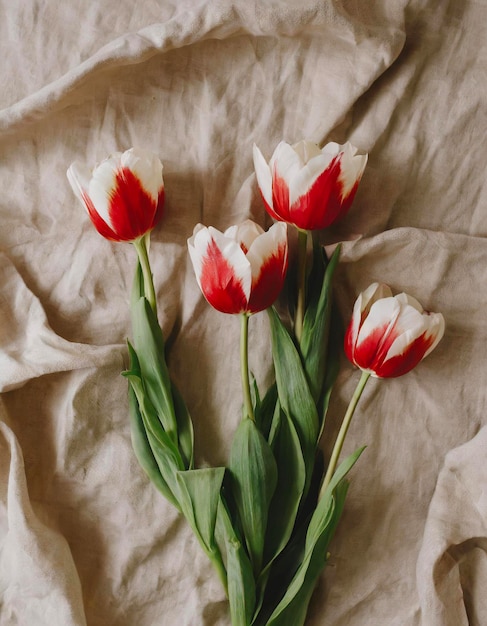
{"x":389,"y":335}
{"x":308,"y":186}
{"x":124,"y":194}
{"x":241,"y":270}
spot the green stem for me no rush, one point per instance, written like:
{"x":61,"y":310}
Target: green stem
{"x":344,"y":429}
{"x":244,"y":365}
{"x":141,"y":246}
{"x":300,"y":308}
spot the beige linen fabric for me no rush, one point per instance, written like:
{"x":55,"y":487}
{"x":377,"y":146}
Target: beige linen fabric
{"x":84,"y":538}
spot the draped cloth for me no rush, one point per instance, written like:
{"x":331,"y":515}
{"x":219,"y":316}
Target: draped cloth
{"x":84,"y":537}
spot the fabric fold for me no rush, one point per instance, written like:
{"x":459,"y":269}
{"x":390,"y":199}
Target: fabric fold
{"x":452,"y":563}
{"x":29,"y":348}
{"x":39,"y":583}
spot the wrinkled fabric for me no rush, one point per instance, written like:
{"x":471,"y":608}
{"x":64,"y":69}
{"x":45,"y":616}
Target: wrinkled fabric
{"x":84,"y":538}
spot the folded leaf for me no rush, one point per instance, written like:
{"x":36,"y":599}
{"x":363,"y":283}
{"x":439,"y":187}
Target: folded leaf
{"x":199,"y":497}
{"x":143,"y":451}
{"x":149,"y":344}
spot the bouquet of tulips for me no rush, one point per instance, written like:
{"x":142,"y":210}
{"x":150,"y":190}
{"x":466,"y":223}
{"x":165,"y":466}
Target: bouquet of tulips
{"x":267,"y":519}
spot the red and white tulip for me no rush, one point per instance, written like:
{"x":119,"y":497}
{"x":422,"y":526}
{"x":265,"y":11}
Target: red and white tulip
{"x":308,"y":186}
{"x":389,"y":335}
{"x":124,"y":194}
{"x":241,"y":270}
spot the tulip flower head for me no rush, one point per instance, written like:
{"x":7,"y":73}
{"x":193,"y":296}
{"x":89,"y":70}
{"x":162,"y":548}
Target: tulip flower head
{"x":389,"y":335}
{"x":308,"y":186}
{"x":124,"y":194}
{"x":241,"y":270}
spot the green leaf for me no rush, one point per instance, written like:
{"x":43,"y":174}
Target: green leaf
{"x":200,"y":495}
{"x":240,"y":579}
{"x":185,"y":428}
{"x":152,"y":425}
{"x":294,"y":394}
{"x":137,"y":286}
{"x":183,"y":418}
{"x":264,"y":411}
{"x":149,"y":344}
{"x":293,"y":606}
{"x":316,"y":326}
{"x":315,"y":528}
{"x":164,"y":451}
{"x":143,"y":451}
{"x":289,"y":489}
{"x":254,"y":474}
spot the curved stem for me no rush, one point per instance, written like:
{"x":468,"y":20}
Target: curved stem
{"x":344,"y":429}
{"x":141,"y":246}
{"x":244,"y":365}
{"x":300,"y":308}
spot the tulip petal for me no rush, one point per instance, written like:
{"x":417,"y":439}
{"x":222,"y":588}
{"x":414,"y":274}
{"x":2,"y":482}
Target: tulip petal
{"x":406,"y":352}
{"x":264,"y":176}
{"x":375,"y":291}
{"x":406,"y":299}
{"x":428,"y":326}
{"x":284,"y":164}
{"x":306,"y":150}
{"x":222,"y":270}
{"x":305,"y":178}
{"x":79,"y":176}
{"x":352,"y":169}
{"x":268,"y":257}
{"x":375,"y":335}
{"x":102,"y":184}
{"x":244,"y":234}
{"x":147,"y":168}
{"x":319,"y":206}
{"x":436,"y":329}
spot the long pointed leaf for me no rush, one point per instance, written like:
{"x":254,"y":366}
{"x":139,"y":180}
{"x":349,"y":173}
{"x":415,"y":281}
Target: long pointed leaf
{"x":290,"y":485}
{"x":316,"y":325}
{"x":254,"y":474}
{"x":293,"y":606}
{"x":294,"y":394}
{"x":149,"y":344}
{"x":143,"y":451}
{"x":240,"y":579}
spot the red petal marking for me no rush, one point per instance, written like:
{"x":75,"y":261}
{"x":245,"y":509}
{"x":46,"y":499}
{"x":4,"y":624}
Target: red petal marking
{"x":280,"y":198}
{"x":219,"y":285}
{"x":100,"y":224}
{"x":351,"y":335}
{"x":131,"y":209}
{"x":405,"y":362}
{"x":372,"y":350}
{"x":270,"y":210}
{"x":323,"y":204}
{"x":160,"y":207}
{"x":268,"y":284}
